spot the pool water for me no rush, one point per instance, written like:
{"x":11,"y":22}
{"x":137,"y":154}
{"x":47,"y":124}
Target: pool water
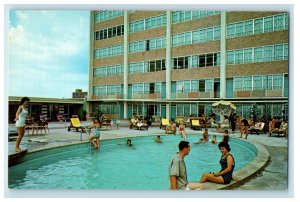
{"x":117,"y":166}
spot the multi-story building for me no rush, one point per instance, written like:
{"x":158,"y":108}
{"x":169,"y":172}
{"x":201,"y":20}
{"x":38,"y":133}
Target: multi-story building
{"x":177,"y":63}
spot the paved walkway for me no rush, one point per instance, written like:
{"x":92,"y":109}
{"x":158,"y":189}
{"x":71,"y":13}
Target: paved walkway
{"x":273,"y":177}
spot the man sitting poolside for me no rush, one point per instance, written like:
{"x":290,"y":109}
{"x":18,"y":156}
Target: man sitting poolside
{"x":171,"y":128}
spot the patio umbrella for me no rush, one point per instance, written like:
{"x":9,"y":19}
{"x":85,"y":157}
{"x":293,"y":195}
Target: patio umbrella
{"x":223,"y":107}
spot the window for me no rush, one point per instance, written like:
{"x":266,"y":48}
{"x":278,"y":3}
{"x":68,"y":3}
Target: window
{"x":230,"y":30}
{"x":194,"y":86}
{"x":196,"y":37}
{"x":279,"y":22}
{"x":267,"y":82}
{"x":180,"y":63}
{"x":277,"y":82}
{"x":158,"y":65}
{"x":239,"y":57}
{"x":268,"y":53}
{"x":286,"y":52}
{"x":268,"y":24}
{"x":258,"y":26}
{"x":179,"y":86}
{"x":163,"y":65}
{"x":202,"y":34}
{"x":208,"y":85}
{"x":238,"y":83}
{"x":210,"y":34}
{"x":195,"y":59}
{"x":258,"y":54}
{"x":209,"y":60}
{"x":257,"y":83}
{"x":248,"y":55}
{"x":152,"y":66}
{"x":249,"y":27}
{"x":230,"y":57}
{"x":187,"y":86}
{"x":247,"y":83}
{"x":217,"y":33}
{"x":202,"y":85}
{"x":202,"y":60}
{"x":239,"y":29}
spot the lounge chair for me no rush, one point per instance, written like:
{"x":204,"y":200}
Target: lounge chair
{"x":257,"y":128}
{"x":75,"y":123}
{"x":195,"y":124}
{"x":282,"y":131}
{"x":107,"y":123}
{"x":164,"y":123}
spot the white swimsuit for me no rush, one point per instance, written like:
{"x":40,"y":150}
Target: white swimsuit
{"x":22,"y":118}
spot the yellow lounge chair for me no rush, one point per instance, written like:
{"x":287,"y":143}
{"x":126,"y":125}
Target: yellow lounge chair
{"x":75,"y":123}
{"x":195,"y":124}
{"x":164,"y":123}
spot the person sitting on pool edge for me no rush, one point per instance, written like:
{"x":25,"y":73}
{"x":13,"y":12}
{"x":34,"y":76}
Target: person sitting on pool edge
{"x":158,"y":140}
{"x":224,"y":176}
{"x":171,"y":128}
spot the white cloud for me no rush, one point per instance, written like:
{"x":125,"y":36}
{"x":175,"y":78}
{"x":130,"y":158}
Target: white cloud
{"x":43,"y":46}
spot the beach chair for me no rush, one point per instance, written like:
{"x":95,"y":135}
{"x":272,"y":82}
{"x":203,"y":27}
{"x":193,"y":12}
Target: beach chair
{"x":281,"y":131}
{"x":195,"y":124}
{"x":258,"y":128}
{"x":164,"y":123}
{"x":75,"y":123}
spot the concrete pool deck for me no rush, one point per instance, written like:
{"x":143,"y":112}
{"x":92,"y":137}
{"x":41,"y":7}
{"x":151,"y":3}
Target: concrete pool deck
{"x":272,"y":176}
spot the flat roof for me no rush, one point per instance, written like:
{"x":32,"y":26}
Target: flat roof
{"x":48,"y":100}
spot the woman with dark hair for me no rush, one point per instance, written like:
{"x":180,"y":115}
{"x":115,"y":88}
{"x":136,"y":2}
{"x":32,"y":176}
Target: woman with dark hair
{"x":21,"y":115}
{"x":224,"y":176}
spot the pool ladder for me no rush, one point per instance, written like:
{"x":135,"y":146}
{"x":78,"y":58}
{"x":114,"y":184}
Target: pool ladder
{"x":88,"y":132}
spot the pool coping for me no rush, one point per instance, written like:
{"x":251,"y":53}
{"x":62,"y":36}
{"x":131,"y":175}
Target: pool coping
{"x":243,"y":175}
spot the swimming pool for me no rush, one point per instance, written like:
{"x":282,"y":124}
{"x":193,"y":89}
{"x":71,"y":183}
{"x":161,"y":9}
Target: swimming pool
{"x":116,"y":166}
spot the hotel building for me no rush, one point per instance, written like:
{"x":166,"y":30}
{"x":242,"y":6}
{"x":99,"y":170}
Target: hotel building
{"x":177,"y":63}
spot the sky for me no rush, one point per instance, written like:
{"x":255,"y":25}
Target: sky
{"x":48,"y":52}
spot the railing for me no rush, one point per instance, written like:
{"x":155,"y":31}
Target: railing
{"x":259,"y":93}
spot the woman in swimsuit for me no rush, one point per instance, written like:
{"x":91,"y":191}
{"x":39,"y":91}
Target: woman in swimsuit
{"x":182,"y":131}
{"x":95,"y":137}
{"x":224,"y":176}
{"x":21,"y":115}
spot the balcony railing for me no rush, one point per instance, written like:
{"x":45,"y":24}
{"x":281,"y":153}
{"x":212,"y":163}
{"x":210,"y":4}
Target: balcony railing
{"x":259,"y":93}
{"x":192,"y":95}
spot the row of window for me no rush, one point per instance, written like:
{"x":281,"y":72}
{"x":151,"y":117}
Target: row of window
{"x":146,"y":45}
{"x":108,"y":89}
{"x":244,"y":83}
{"x":259,"y":82}
{"x":258,"y":54}
{"x":148,"y":23}
{"x":203,"y":60}
{"x":197,"y":36}
{"x":108,"y":51}
{"x":187,"y":86}
{"x":108,"y":108}
{"x":109,"y":70}
{"x":257,"y":26}
{"x":109,"y":32}
{"x":183,"y":16}
{"x":146,"y":88}
{"x":147,"y":66}
{"x":107,"y":15}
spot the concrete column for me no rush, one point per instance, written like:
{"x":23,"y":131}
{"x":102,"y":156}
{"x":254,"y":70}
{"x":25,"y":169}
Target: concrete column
{"x":168,"y":62}
{"x":223,"y":56}
{"x":126,"y":67}
{"x":91,"y":58}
